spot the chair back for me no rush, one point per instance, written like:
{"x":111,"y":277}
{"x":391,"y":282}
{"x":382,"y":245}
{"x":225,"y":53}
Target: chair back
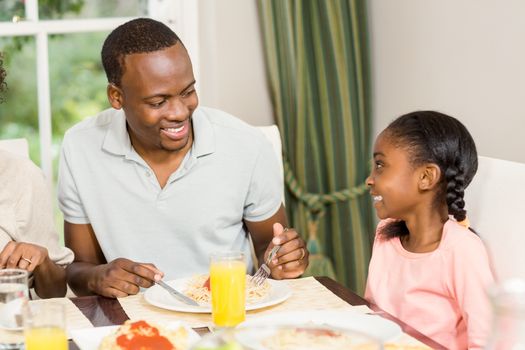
{"x":494,"y":206}
{"x":19,"y":147}
{"x":274,"y":136}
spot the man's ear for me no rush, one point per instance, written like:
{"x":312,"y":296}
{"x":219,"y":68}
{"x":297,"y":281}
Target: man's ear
{"x":114,"y":96}
{"x":429,"y":176}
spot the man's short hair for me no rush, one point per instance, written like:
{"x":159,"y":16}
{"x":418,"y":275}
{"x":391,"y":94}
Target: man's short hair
{"x":136,"y":36}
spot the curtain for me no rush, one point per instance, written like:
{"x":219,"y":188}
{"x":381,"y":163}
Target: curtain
{"x":318,"y":71}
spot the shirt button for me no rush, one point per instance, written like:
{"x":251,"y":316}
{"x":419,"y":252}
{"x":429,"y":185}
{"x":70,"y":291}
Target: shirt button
{"x":148,"y":174}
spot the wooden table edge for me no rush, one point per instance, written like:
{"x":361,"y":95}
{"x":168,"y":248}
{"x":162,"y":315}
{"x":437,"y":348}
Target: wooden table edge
{"x":354,"y":299}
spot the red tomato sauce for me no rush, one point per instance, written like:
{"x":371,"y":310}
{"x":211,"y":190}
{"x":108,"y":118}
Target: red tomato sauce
{"x":142,"y":336}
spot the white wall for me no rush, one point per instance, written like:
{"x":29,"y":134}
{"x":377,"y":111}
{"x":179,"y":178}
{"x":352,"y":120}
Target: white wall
{"x":465,"y":58}
{"x":232,"y":72}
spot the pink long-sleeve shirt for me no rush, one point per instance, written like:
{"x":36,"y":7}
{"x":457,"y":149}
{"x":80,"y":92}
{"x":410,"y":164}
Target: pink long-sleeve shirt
{"x":442,"y":293}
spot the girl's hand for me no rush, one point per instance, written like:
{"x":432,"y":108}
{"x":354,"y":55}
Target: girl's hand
{"x":22,"y":255}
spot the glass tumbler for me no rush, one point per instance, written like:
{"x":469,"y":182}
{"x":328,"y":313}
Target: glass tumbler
{"x":45,"y":326}
{"x":13,"y":297}
{"x":508,"y":321}
{"x":228,"y":288}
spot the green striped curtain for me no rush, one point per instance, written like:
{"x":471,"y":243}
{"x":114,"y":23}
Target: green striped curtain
{"x":317,"y":61}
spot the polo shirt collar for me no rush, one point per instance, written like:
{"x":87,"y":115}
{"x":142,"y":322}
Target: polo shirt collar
{"x":117,"y":139}
{"x":203,"y":134}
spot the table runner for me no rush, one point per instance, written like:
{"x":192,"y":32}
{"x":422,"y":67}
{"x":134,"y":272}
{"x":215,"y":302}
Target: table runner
{"x":305,"y":291}
{"x":307,"y":294}
{"x":75,"y":319}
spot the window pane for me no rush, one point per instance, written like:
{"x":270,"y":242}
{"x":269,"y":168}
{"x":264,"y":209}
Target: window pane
{"x":19,"y":111}
{"x":11,"y":9}
{"x":78,"y":81}
{"x":53,"y":9}
{"x":78,"y":86}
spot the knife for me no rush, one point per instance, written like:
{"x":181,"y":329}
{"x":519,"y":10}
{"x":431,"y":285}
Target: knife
{"x":178,"y":295}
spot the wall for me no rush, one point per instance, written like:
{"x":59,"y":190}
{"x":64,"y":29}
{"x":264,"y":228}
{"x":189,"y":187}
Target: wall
{"x":465,"y":58}
{"x":232,"y":73}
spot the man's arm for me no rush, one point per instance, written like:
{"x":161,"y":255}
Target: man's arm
{"x":91,"y":274}
{"x":292,"y":258}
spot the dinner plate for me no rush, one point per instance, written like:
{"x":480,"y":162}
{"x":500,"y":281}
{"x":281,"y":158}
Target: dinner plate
{"x":90,"y":338}
{"x":371,"y":325}
{"x":155,"y":295}
{"x":269,"y":337}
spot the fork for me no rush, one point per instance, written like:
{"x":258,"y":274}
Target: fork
{"x":264,"y":271}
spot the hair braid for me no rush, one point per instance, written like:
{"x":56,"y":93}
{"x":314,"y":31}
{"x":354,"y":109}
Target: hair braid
{"x":455,"y":187}
{"x":436,"y":138}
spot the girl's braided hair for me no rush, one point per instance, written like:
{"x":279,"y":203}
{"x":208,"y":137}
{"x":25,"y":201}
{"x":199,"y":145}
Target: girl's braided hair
{"x":433,"y":137}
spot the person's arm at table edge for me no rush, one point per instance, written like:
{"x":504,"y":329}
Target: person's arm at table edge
{"x":81,"y":239}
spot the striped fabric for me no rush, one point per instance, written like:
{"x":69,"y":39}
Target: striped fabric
{"x":317,"y":61}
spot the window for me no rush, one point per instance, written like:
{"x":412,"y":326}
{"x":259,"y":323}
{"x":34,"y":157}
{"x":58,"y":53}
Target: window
{"x":52,"y":56}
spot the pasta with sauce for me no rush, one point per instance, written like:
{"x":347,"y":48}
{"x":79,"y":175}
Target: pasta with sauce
{"x":198,"y":289}
{"x":145,"y":336}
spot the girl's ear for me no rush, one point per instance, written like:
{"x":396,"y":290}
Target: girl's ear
{"x":114,"y":96}
{"x":429,"y":177}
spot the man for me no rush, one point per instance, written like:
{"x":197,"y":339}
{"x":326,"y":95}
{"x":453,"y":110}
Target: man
{"x":28,"y":238}
{"x":153,"y":186}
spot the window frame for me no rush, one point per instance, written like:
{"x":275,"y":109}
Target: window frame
{"x":169,"y":12}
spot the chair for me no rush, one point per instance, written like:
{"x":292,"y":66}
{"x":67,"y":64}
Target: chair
{"x":494,"y":207}
{"x":273,"y":135}
{"x":16,"y":146}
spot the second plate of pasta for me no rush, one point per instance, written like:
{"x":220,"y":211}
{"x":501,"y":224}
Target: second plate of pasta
{"x":272,"y":293}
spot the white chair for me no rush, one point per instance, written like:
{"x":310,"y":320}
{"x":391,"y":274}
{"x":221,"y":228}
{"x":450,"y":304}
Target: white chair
{"x":274,"y":136}
{"x":494,"y":203}
{"x":16,"y":146}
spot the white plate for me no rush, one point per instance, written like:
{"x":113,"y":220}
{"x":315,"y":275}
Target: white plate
{"x":372,"y":325}
{"x":90,"y":338}
{"x":156,"y":295}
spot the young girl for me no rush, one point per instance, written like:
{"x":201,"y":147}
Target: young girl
{"x":427,"y":268}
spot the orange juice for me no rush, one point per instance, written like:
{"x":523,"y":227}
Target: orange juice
{"x":228,"y":285}
{"x":46,"y":338}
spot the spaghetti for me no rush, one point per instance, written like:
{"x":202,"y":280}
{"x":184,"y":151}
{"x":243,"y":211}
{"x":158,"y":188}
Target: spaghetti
{"x":198,"y":288}
{"x":313,"y":338}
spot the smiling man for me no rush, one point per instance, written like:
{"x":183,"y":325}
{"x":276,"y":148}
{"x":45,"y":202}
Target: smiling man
{"x":152,"y":186}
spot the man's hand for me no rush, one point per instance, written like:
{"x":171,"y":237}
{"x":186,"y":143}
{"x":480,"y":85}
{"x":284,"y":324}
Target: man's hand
{"x":26,"y":256}
{"x":122,"y":277}
{"x":292,"y":258}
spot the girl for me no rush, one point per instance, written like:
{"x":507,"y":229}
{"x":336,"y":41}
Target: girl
{"x":427,"y":268}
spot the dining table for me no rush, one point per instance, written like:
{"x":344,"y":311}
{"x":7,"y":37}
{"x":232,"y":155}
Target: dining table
{"x":103,"y":311}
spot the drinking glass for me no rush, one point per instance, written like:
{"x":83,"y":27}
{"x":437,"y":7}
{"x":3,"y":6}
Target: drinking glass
{"x":45,"y":326}
{"x":228,"y":286}
{"x":13,"y":296}
{"x":508,"y":322}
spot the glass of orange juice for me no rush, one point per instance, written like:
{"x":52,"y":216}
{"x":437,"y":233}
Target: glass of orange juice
{"x":45,"y":326}
{"x":228,"y":286}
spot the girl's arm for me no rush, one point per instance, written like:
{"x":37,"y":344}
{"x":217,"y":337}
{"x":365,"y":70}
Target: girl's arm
{"x":472,"y":277}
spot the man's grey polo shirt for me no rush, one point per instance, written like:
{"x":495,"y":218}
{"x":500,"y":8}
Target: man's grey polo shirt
{"x":230,"y":174}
